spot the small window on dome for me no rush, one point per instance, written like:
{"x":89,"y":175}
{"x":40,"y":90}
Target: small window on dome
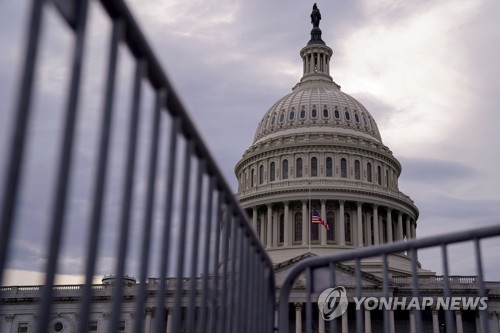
{"x":325,"y":113}
{"x":302,"y":114}
{"x":292,"y":115}
{"x":347,"y":115}
{"x":282,"y":116}
{"x":364,"y":120}
{"x":337,"y":114}
{"x":356,"y":117}
{"x":314,"y":113}
{"x":273,"y":120}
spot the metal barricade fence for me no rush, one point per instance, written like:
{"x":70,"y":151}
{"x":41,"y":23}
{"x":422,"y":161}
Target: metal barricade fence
{"x":222,"y":277}
{"x":316,"y":274}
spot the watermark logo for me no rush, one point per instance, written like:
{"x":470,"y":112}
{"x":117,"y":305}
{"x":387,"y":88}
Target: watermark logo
{"x":332,"y":303}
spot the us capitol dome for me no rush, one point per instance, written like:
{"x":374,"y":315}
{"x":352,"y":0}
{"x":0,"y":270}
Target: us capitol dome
{"x":318,"y":151}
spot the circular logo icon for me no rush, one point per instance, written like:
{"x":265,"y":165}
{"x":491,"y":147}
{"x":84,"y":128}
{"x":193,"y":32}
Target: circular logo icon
{"x":332,"y":303}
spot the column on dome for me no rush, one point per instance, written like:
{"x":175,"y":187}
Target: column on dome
{"x":169,"y":320}
{"x":254,"y":218}
{"x":359,"y":215}
{"x":147,"y":322}
{"x":400,"y":225}
{"x":435,"y":321}
{"x":262,"y":229}
{"x":388,"y":228}
{"x":368,"y":226}
{"x":305,"y":224}
{"x":413,"y":229}
{"x":368,"y":322}
{"x":286,"y":224}
{"x":392,"y":324}
{"x":275,"y":227}
{"x":375,"y":226}
{"x":408,"y":233}
{"x":413,"y":328}
{"x":323,"y":230}
{"x":298,"y":317}
{"x":269,"y":225}
{"x":458,"y":321}
{"x":341,"y":223}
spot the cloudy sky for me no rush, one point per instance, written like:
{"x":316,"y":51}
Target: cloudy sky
{"x":428,"y":72}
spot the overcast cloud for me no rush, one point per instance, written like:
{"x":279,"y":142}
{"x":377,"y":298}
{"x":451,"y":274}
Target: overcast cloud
{"x":427,"y":71}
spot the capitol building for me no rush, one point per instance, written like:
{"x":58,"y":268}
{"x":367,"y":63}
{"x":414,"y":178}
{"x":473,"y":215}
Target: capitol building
{"x":316,"y":151}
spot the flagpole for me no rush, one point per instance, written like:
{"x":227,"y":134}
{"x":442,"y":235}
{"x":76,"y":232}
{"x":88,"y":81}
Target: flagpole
{"x":310,"y":217}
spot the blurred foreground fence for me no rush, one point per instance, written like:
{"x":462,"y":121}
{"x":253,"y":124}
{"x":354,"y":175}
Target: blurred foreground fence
{"x":230,"y":268}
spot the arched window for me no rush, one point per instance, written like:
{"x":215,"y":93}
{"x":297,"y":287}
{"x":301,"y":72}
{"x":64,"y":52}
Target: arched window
{"x":369,"y":172}
{"x":292,"y":115}
{"x":285,"y":169}
{"x":314,"y":167}
{"x":298,"y":167}
{"x":261,"y":174}
{"x":282,"y":229}
{"x":343,"y":168}
{"x":356,"y":117}
{"x":347,"y":228}
{"x":273,"y":120}
{"x":329,"y":167}
{"x":282,"y":116}
{"x":314,"y":113}
{"x":252,"y":177}
{"x":272,"y":172}
{"x":379,"y":175}
{"x":302,"y":114}
{"x":330,"y":220}
{"x":325,"y":113}
{"x":337,"y":114}
{"x":364,"y":120}
{"x":347,"y":115}
{"x":357,"y":171}
{"x":297,"y":237}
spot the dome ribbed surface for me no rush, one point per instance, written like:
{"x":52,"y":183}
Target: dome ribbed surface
{"x":321,"y":104}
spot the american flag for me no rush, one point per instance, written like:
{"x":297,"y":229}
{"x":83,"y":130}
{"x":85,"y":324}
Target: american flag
{"x":316,"y":219}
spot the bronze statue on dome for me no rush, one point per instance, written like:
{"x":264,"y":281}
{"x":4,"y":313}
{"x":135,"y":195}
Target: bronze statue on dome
{"x":315,"y":16}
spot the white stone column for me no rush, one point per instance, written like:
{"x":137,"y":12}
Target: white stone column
{"x":458,"y":320}
{"x":400,"y":226}
{"x":269,"y":225}
{"x":305,"y":224}
{"x":275,"y":227}
{"x":286,"y":224}
{"x":321,"y":323}
{"x":298,"y":317}
{"x":323,"y":229}
{"x":341,"y":223}
{"x":435,"y":321}
{"x":408,"y":228}
{"x":368,"y":322}
{"x":388,"y":228}
{"x":254,"y":218}
{"x":345,"y":328}
{"x":392,"y":325}
{"x":413,"y":230}
{"x":147,"y":322}
{"x":359,"y":215}
{"x":169,"y":320}
{"x":376,"y":238}
{"x":368,"y":226}
{"x":413,"y":328}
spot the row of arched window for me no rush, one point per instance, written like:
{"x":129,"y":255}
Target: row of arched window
{"x":314,"y":170}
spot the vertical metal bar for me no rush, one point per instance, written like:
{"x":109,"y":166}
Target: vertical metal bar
{"x":169,"y":190}
{"x":194,"y":254}
{"x":450,"y":324}
{"x":19,"y":133}
{"x":176,"y":324}
{"x":215,"y":287}
{"x":127,"y":199}
{"x":415,"y":288}
{"x":202,"y":323}
{"x":238,"y":321}
{"x":309,"y":278}
{"x":360,"y":313}
{"x":387,"y":328}
{"x":100,"y":180}
{"x":64,"y":168}
{"x":226,"y":229}
{"x":235,"y":245}
{"x":333,"y":282}
{"x":253,"y":290}
{"x":148,"y":212}
{"x":482,"y":288}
